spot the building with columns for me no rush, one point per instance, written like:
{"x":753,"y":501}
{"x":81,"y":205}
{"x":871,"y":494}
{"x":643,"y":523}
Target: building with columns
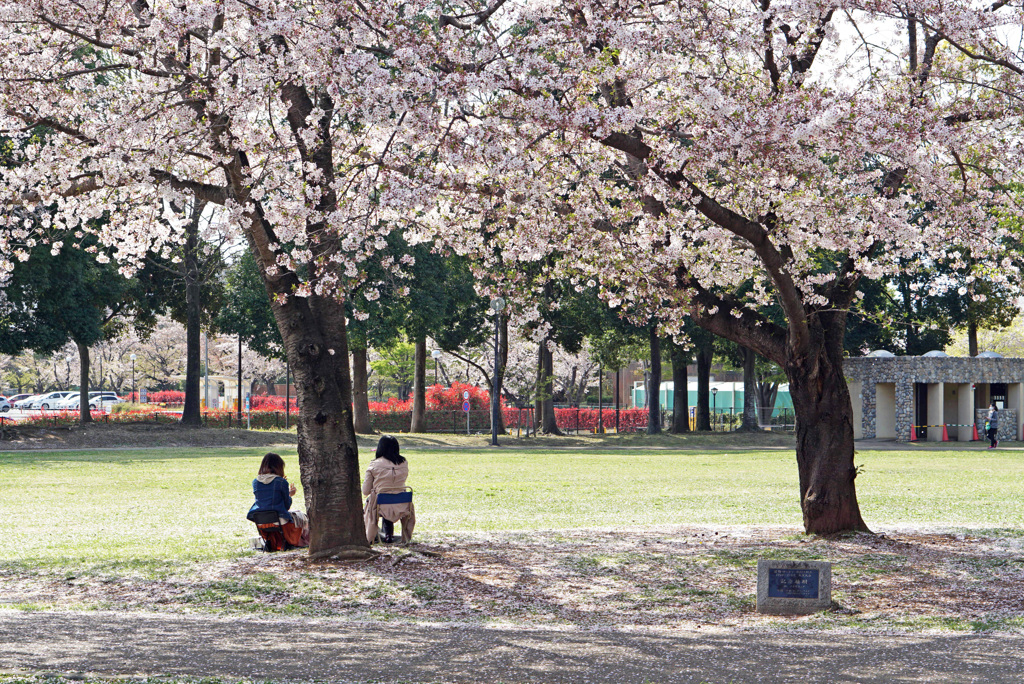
{"x":893,"y":395}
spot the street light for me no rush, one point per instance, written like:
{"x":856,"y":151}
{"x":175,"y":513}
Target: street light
{"x":437,"y":355}
{"x":133,"y":357}
{"x":497,"y":304}
{"x":714,"y":405}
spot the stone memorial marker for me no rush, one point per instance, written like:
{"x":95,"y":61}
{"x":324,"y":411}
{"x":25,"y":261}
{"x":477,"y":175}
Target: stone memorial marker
{"x":793,"y":587}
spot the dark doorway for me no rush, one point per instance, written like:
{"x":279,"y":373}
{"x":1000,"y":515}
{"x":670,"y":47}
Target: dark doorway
{"x":997,"y":393}
{"x":920,"y":410}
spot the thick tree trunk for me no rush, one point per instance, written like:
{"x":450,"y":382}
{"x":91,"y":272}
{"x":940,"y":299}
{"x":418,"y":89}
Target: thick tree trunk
{"x":654,"y":385}
{"x":419,"y":386}
{"x":824,"y":437}
{"x":314,"y":334}
{"x":191,"y":411}
{"x":705,"y":355}
{"x":749,"y":421}
{"x":546,"y":402}
{"x":360,"y":392}
{"x":972,"y":338}
{"x":84,"y":413}
{"x":681,"y":392}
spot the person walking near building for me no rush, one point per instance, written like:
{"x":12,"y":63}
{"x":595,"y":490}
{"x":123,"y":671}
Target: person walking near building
{"x":992,"y":426}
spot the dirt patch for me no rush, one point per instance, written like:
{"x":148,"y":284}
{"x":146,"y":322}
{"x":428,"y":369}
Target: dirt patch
{"x":134,"y":436}
{"x":686,"y":577}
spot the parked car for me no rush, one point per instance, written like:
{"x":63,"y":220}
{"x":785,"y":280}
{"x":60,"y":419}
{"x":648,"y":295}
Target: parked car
{"x":5,"y":405}
{"x":15,"y":398}
{"x":26,"y":399}
{"x":46,"y":401}
{"x":97,"y":400}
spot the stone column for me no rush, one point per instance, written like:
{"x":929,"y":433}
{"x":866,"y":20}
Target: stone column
{"x":869,"y":407}
{"x":1014,"y":400}
{"x":904,"y":410}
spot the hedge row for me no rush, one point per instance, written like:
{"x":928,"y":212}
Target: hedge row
{"x":568,"y":419}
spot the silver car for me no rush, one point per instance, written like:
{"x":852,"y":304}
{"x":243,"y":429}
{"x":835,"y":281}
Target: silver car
{"x":5,"y":405}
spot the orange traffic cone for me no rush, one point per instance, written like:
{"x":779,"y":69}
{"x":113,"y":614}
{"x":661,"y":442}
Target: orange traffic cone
{"x":945,"y":435}
{"x":976,"y":437}
{"x":913,"y":433}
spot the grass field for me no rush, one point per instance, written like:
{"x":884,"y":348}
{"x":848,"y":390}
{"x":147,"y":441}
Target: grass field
{"x":151,"y":509}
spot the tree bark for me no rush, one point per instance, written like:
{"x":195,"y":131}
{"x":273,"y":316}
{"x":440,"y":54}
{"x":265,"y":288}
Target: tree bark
{"x":419,"y":386}
{"x":705,"y":355}
{"x":824,"y":432}
{"x":681,"y":392}
{"x":972,"y":338}
{"x":191,"y":411}
{"x":84,"y":413}
{"x":749,"y":422}
{"x":361,"y":392}
{"x":545,"y":398}
{"x":654,"y":385}
{"x":313,"y":327}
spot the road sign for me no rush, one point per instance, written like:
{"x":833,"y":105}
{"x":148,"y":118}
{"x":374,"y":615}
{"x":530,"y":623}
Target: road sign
{"x":465,"y":406}
{"x":142,"y":397}
{"x":465,"y":394}
{"x":246,"y":402}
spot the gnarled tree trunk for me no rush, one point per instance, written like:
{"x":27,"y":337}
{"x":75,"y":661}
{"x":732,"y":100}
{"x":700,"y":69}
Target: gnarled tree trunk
{"x":314,"y":336}
{"x":360,"y":392}
{"x":824,"y":440}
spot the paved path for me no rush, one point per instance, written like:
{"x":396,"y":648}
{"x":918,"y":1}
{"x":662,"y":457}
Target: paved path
{"x":292,"y":649}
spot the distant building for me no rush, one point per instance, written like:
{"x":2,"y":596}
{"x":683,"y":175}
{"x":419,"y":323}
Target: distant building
{"x":728,"y":399}
{"x":895,"y":395}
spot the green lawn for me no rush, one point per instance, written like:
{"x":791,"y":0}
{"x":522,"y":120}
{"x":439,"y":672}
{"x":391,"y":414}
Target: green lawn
{"x":154,"y":509}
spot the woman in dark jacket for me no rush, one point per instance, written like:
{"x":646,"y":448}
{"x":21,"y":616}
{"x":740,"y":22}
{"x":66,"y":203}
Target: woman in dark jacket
{"x":274,"y":493}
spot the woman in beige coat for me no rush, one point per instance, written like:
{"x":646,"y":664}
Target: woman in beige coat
{"x":386,"y":475}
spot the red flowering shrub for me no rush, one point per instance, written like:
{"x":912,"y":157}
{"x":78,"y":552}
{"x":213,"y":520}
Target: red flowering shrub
{"x":392,"y":405}
{"x":264,"y":402}
{"x":165,"y":397}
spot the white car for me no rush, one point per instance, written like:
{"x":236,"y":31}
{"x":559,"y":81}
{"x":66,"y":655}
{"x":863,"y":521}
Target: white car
{"x":22,"y":404}
{"x":45,"y":401}
{"x":97,"y":400}
{"x":5,"y":405}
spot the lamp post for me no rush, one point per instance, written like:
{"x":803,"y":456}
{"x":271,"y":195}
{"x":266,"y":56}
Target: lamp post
{"x":714,"y":409}
{"x":133,"y":357}
{"x":437,"y":355}
{"x":497,"y":304}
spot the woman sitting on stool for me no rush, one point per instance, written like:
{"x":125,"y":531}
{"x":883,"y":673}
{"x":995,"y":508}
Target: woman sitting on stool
{"x":274,"y":493}
{"x":387,"y":474}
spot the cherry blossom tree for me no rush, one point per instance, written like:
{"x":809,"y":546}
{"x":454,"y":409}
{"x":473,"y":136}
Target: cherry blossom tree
{"x":679,"y":149}
{"x":686,"y":149}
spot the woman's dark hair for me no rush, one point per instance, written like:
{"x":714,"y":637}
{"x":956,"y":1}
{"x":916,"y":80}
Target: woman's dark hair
{"x":387,"y":448}
{"x":272,"y":463}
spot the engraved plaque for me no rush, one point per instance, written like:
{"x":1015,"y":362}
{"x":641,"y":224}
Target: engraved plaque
{"x":793,"y":583}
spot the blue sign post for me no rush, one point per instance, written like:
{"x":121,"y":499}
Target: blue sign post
{"x":465,"y":407}
{"x":248,"y":416}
